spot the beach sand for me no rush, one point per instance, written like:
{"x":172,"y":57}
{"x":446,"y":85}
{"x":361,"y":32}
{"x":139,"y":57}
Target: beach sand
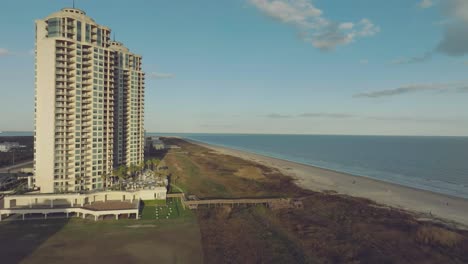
{"x":317,"y":179}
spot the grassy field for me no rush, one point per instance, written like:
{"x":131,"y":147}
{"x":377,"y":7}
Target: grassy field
{"x":330,"y":229}
{"x":197,"y":170}
{"x":109,"y":241}
{"x":170,"y":209}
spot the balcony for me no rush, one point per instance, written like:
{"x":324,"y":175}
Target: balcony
{"x":61,"y":45}
{"x":61,"y":51}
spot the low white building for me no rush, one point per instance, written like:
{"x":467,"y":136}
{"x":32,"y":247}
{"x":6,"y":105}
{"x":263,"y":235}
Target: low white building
{"x":7,"y":146}
{"x":93,"y":204}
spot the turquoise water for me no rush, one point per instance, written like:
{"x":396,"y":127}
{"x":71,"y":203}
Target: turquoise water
{"x":438,"y":164}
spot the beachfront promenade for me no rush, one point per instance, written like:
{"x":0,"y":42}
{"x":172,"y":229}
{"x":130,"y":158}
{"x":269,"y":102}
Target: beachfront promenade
{"x":95,"y":204}
{"x":273,"y":203}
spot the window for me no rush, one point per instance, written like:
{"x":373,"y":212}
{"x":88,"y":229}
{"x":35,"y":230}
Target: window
{"x":88,"y":33}
{"x":53,"y":27}
{"x":99,"y":38}
{"x":78,"y":28}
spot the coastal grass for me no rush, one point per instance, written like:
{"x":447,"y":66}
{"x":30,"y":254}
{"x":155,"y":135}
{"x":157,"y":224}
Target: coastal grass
{"x":332,"y":228}
{"x":200,"y":171}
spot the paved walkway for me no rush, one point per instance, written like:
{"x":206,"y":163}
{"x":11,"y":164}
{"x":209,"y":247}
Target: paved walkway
{"x":16,"y":166}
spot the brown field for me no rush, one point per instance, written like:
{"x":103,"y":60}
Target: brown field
{"x":331,"y":229}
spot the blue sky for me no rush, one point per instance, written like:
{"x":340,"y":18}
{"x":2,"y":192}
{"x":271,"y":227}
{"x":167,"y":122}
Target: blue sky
{"x":272,"y":66}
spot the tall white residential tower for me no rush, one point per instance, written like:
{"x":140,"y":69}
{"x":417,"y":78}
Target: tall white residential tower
{"x":89,"y":103}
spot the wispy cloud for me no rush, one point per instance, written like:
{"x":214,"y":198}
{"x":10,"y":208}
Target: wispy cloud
{"x":310,"y":115}
{"x":388,"y":118}
{"x":364,"y":61}
{"x":326,"y":115}
{"x":159,"y":75}
{"x":414,"y":88}
{"x":416,"y":59}
{"x":426,"y":3}
{"x":415,"y":119}
{"x":313,"y":27}
{"x":216,"y":126}
{"x":278,"y":116}
{"x":4,"y":52}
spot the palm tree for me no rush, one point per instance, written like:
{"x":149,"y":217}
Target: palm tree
{"x":104,"y":180}
{"x":132,"y":170}
{"x":141,"y":166}
{"x":155,"y":163}
{"x":148,"y":164}
{"x":121,"y":174}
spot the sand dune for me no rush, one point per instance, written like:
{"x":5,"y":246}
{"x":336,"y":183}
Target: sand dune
{"x":318,"y":179}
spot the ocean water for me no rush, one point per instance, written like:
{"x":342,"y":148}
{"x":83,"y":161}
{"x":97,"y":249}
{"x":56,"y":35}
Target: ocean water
{"x":438,"y":164}
{"x":16,"y":133}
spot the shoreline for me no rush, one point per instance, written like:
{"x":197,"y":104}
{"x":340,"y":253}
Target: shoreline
{"x":320,"y":179}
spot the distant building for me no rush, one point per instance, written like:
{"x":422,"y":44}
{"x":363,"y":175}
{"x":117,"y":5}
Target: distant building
{"x":89,"y":101}
{"x":158,"y":145}
{"x":155,"y":143}
{"x":7,"y":146}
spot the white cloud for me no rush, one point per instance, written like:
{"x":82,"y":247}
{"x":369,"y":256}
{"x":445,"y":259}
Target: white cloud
{"x":364,"y":61}
{"x":160,"y":75}
{"x":4,"y":52}
{"x":455,"y":36}
{"x":454,"y":40}
{"x":298,"y":12}
{"x":456,"y":8}
{"x":321,"y":32}
{"x":461,"y":87}
{"x":416,"y":59}
{"x":426,"y":3}
{"x":346,"y":25}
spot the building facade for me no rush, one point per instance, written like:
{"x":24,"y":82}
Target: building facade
{"x":89,"y":101}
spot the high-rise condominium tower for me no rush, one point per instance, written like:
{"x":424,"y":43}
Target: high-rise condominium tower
{"x":89,"y":102}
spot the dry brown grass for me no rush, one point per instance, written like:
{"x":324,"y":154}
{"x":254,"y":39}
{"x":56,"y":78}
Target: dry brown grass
{"x":250,"y":172}
{"x":438,"y":236}
{"x":331,"y":228}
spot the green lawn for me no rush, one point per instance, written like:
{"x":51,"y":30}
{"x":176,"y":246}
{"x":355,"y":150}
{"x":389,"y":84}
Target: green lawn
{"x":171,"y":209}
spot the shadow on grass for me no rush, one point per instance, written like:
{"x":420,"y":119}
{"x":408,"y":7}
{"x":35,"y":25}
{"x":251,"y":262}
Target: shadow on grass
{"x":19,"y":239}
{"x":156,"y":153}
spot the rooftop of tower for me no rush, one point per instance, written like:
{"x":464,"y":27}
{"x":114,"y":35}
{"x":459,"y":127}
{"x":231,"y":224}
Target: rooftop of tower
{"x":73,"y":13}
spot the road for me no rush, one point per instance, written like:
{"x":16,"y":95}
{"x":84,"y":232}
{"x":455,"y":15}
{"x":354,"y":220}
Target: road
{"x":17,"y":165}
